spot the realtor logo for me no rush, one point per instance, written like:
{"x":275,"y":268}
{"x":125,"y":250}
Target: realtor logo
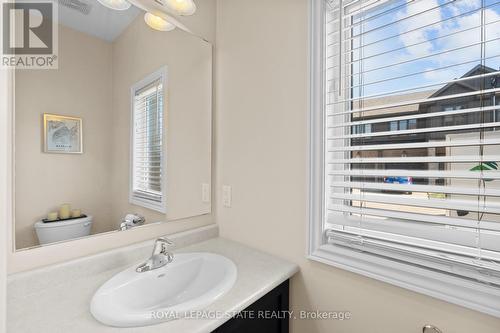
{"x":29,"y":35}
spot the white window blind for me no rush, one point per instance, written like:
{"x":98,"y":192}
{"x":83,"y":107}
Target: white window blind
{"x":148,"y":150}
{"x":412,"y":133}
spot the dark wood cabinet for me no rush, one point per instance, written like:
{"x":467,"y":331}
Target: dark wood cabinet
{"x":269,"y":314}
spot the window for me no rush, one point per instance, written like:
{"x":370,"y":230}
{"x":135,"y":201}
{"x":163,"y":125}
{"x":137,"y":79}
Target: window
{"x":358,"y":129}
{"x":394,"y":125}
{"x":147,"y":186}
{"x":403,"y":124}
{"x":415,"y":200}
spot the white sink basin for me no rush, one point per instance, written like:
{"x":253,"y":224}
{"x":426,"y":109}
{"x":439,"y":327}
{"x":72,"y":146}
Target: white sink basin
{"x":191,"y":282}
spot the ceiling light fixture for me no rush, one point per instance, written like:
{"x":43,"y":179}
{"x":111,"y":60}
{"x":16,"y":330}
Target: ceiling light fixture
{"x":158,"y":23}
{"x":116,"y":4}
{"x":182,"y":7}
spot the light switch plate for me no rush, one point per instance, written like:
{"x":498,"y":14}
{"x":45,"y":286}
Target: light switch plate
{"x":226,"y":196}
{"x":205,"y":193}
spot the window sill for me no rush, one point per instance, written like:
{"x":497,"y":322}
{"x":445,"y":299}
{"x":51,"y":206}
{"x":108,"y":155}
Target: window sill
{"x":156,"y":206}
{"x":445,"y":287}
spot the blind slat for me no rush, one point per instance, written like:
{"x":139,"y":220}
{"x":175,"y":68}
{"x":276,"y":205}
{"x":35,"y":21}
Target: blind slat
{"x":415,"y":116}
{"x":419,"y":130}
{"x":449,"y":263}
{"x":417,"y":188}
{"x":405,"y":102}
{"x":417,"y":159}
{"x":444,"y":220}
{"x":450,"y":204}
{"x":427,"y":56}
{"x":413,"y":145}
{"x":472,"y":253}
{"x":418,"y":173}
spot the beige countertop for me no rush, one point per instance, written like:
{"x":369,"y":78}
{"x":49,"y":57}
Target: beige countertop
{"x":56,"y":299}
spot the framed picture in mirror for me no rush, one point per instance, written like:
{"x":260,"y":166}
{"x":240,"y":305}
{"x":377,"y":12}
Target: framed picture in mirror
{"x":62,"y":134}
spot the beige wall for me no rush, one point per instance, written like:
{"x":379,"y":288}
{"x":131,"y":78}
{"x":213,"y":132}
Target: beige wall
{"x":138,"y":52}
{"x":44,"y":181}
{"x":202,"y":23}
{"x":261,"y":151}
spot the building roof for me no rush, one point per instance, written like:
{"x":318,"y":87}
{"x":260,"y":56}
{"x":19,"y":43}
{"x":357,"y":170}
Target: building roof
{"x":470,"y":85}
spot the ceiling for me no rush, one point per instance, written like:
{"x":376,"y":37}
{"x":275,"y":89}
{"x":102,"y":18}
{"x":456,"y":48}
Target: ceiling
{"x":90,"y":17}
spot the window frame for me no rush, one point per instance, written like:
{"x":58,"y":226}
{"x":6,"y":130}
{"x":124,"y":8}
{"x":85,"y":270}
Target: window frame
{"x":161,"y":207}
{"x":453,"y":289}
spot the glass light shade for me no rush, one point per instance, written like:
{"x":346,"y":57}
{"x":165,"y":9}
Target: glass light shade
{"x":116,"y":4}
{"x":158,"y":23}
{"x":182,"y":7}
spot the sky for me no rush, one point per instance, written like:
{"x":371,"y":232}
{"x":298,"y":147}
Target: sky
{"x":388,"y":34}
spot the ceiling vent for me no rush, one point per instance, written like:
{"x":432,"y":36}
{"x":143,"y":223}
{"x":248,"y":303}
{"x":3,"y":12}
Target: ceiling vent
{"x":77,"y":5}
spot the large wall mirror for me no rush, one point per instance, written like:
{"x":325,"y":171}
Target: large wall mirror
{"x":119,"y":135}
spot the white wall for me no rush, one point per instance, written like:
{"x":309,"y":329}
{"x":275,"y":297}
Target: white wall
{"x":261,"y":151}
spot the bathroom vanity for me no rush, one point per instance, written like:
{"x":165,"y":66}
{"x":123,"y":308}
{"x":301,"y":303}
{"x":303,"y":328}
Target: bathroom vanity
{"x":269,"y":314}
{"x":57,"y":298}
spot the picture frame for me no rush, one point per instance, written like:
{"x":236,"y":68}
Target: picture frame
{"x":62,"y":134}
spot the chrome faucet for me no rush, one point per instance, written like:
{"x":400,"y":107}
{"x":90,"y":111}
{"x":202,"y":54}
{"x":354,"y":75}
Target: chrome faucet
{"x":160,"y":256}
{"x":132,"y":220}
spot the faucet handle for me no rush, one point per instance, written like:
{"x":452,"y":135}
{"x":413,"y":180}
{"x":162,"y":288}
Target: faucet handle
{"x":163,"y":243}
{"x":132,"y":220}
